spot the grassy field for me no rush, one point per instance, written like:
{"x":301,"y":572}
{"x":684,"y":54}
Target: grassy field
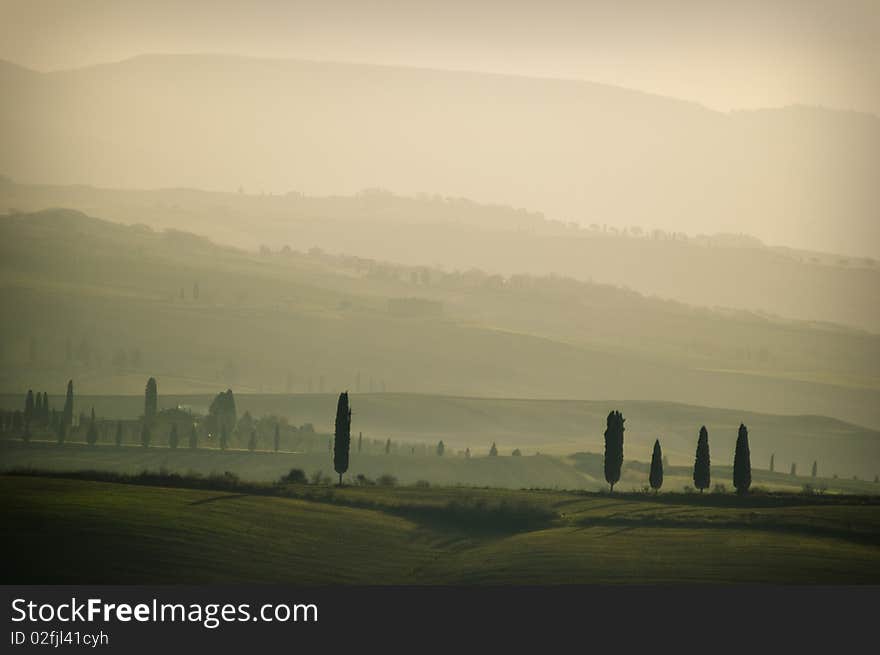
{"x":85,"y":530}
{"x":579,"y":471}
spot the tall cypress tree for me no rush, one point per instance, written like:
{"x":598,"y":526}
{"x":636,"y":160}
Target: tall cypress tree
{"x":772,"y":462}
{"x":742,"y":463}
{"x":118,"y":438}
{"x":815,"y":468}
{"x":151,"y":401}
{"x":441,"y":448}
{"x":173,"y":437}
{"x":277,"y":443}
{"x":342,"y":435}
{"x":92,"y":434}
{"x":67,"y":412}
{"x":702,"y":464}
{"x":193,"y":437}
{"x":613,"y":447}
{"x":656,"y":476}
{"x":388,"y":446}
{"x":493,"y":451}
{"x":29,"y":406}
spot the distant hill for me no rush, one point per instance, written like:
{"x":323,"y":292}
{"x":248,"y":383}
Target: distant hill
{"x":110,"y":304}
{"x":581,"y":151}
{"x":723,"y":270}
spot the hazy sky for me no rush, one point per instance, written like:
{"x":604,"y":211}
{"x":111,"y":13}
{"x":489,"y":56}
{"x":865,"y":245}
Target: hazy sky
{"x":725,"y":54}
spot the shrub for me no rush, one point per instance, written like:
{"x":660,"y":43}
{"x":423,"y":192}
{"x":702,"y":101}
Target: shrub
{"x":387,"y":480}
{"x":422,"y":484}
{"x":294,"y":476}
{"x":363,"y":481}
{"x":719,"y":488}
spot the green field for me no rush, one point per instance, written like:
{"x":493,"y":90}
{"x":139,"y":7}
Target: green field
{"x":84,"y":531}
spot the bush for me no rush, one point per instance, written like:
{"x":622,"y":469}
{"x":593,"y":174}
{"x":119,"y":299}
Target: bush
{"x":719,"y":488}
{"x":363,"y":481}
{"x":294,"y":476}
{"x":387,"y":480}
{"x":422,"y":484}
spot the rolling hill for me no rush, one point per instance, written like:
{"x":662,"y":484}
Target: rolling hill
{"x":579,"y":151}
{"x":311,"y":322}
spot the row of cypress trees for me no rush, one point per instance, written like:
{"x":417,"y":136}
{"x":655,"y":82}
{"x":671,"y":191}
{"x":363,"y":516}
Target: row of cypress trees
{"x":742,"y":464}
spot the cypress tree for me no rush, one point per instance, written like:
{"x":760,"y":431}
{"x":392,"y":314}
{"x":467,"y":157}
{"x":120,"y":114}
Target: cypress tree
{"x":388,"y":446}
{"x":702,"y":464}
{"x":742,"y":464}
{"x":656,"y":476}
{"x":493,"y":451}
{"x":173,"y":437}
{"x":614,"y":447}
{"x":277,"y":443}
{"x":92,"y":434}
{"x":67,"y":412}
{"x":342,"y":436}
{"x":815,"y":468}
{"x":252,"y":442}
{"x":193,"y":437}
{"x":467,"y":453}
{"x":118,"y":438}
{"x":29,"y":406}
{"x":360,"y":440}
{"x":145,"y":435}
{"x":772,"y":462}
{"x":441,"y":448}
{"x":151,"y":401}
{"x":793,"y":469}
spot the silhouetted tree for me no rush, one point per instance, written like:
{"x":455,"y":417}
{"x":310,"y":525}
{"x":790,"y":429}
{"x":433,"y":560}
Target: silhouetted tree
{"x":656,"y":475}
{"x":493,"y":451}
{"x":467,"y":453}
{"x":772,"y":462}
{"x":29,"y":407}
{"x":145,"y":435}
{"x":277,"y":441}
{"x":793,"y":469}
{"x":193,"y":437}
{"x":252,"y":442}
{"x":173,"y":437}
{"x":92,"y":434}
{"x":67,"y":412}
{"x":516,"y":453}
{"x":388,"y":446}
{"x":222,"y":411}
{"x":441,"y":448}
{"x":151,"y":401}
{"x":702,"y":464}
{"x":360,"y":437}
{"x":118,"y":433}
{"x":614,"y":447}
{"x":742,"y":463}
{"x":342,"y":436}
{"x":815,"y":468}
